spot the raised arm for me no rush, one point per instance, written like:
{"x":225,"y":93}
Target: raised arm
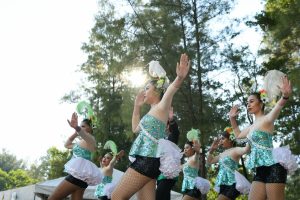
{"x":232,"y":117}
{"x":197,"y":149}
{"x":116,"y":158}
{"x":69,"y":142}
{"x":182,"y":70}
{"x":85,"y":136}
{"x":214,"y":146}
{"x":136,"y":116}
{"x":239,"y":151}
{"x":173,"y":128}
{"x":286,"y":91}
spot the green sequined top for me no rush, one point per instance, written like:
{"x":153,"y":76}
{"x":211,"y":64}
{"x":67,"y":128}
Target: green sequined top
{"x":226,"y":176}
{"x":79,"y":151}
{"x":189,"y":175}
{"x":99,"y":192}
{"x":261,"y":149}
{"x":145,"y":145}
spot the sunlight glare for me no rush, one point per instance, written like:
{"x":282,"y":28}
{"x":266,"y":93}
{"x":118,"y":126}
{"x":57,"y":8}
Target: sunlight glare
{"x":136,"y":78}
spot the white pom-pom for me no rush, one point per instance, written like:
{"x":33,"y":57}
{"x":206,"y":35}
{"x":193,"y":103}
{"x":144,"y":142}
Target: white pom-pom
{"x":170,"y":156}
{"x":242,"y":184}
{"x":273,"y":83}
{"x":284,"y":156}
{"x":108,"y":189}
{"x":156,"y":70}
{"x":202,"y":184}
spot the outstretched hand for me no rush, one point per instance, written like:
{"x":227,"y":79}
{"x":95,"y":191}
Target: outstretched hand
{"x":196,"y":146}
{"x":139,"y":99}
{"x":120,"y":154}
{"x":214,"y":146}
{"x":286,"y":88}
{"x":74,"y":120}
{"x":234,"y":111}
{"x":183,"y":66}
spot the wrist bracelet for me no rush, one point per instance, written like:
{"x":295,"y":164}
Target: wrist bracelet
{"x":285,"y":98}
{"x":78,"y":129}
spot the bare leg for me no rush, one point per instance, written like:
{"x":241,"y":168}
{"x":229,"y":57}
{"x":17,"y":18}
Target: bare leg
{"x":63,"y":190}
{"x":222,"y":197}
{"x":258,"y":191}
{"x":131,"y":182}
{"x":147,"y":192}
{"x":78,"y":194}
{"x":275,"y":191}
{"x":187,"y":197}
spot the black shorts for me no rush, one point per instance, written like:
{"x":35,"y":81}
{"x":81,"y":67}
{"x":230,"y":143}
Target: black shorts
{"x":103,"y":198}
{"x":195,"y":193}
{"x":271,"y":174}
{"x":229,"y":191}
{"x":76,"y":181}
{"x":147,"y":166}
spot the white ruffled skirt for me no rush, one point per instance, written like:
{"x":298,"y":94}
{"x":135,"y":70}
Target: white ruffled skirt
{"x":284,"y":156}
{"x":170,"y":155}
{"x":84,"y":170}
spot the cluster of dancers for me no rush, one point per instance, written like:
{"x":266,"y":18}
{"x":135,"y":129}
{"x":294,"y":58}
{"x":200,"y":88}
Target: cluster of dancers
{"x":156,"y":158}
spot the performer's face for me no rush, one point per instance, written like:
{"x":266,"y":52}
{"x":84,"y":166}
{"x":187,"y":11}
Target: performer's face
{"x":86,"y":127}
{"x":225,"y":142}
{"x":106,"y":159}
{"x":188,"y":150}
{"x":150,"y":95}
{"x":253,"y":104}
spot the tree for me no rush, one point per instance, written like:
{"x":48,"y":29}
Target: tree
{"x":3,"y":179}
{"x":10,"y":162}
{"x":19,"y":178}
{"x":52,"y":165}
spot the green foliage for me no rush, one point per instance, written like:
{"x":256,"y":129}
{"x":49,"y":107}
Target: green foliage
{"x":52,"y":165}
{"x":19,"y":178}
{"x":293,"y":185}
{"x":10,"y":162}
{"x":3,"y":180}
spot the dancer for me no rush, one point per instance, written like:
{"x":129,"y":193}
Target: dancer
{"x":82,"y":172}
{"x":192,"y":185}
{"x":141,"y":175}
{"x":104,"y":189}
{"x":270,"y":173}
{"x":164,"y":184}
{"x":226,"y":183}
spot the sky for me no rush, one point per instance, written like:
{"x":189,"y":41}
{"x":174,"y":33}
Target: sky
{"x":40,"y":51}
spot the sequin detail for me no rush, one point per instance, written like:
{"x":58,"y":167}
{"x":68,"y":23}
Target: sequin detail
{"x":78,"y":151}
{"x":145,"y":146}
{"x":226,"y":171}
{"x":189,"y":175}
{"x":100,"y":188}
{"x":261,"y":149}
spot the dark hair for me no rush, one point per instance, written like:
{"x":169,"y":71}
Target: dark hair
{"x":88,"y":122}
{"x":257,"y":95}
{"x":161,"y":90}
{"x":225,"y":134}
{"x":189,"y":143}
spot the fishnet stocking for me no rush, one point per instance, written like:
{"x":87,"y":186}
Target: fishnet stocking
{"x":257,"y":191}
{"x":131,"y":182}
{"x":275,"y":191}
{"x":147,"y":192}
